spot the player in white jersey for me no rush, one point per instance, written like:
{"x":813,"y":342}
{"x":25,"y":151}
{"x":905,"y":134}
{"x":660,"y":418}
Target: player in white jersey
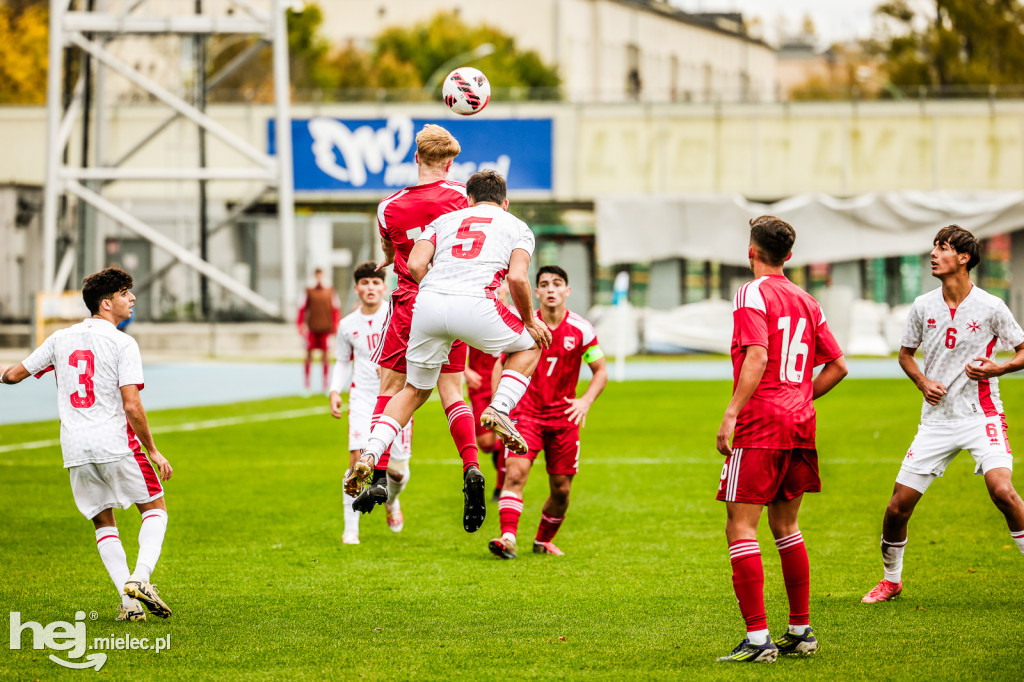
{"x":459,"y":261}
{"x":957,"y":327}
{"x":102,"y":423}
{"x":359,"y":334}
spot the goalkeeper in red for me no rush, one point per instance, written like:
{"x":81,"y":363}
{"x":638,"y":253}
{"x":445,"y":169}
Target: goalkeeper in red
{"x":550,"y":415}
{"x":779,"y":337}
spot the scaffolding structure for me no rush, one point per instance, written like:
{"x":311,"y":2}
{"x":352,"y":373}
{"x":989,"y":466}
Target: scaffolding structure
{"x":80,"y":35}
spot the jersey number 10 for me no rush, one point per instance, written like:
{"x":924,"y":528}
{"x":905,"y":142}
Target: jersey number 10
{"x":793,"y":360}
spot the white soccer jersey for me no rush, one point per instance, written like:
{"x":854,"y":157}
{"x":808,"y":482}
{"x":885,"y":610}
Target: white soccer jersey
{"x":473,"y":248}
{"x":358,"y":336}
{"x":92,"y":361}
{"x":951,"y":339}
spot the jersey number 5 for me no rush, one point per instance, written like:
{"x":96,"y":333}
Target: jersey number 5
{"x":473,"y":249}
{"x":84,"y":378}
{"x":793,"y":362}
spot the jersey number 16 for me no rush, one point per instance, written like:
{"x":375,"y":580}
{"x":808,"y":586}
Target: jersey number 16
{"x":793,"y":360}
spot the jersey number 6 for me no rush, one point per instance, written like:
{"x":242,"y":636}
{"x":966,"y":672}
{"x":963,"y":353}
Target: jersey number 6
{"x":951,"y":337}
{"x":478,"y":237}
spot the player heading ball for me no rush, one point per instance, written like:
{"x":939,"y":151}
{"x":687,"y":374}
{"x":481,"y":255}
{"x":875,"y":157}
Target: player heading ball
{"x":459,"y":261}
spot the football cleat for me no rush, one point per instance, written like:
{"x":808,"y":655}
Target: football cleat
{"x":359,"y":475}
{"x":474,"y":510}
{"x":752,"y":653}
{"x":546,"y":548}
{"x":132,"y":612}
{"x":350,"y":538}
{"x":503,"y":548}
{"x":883,"y":591}
{"x":801,"y":645}
{"x":372,"y":495}
{"x":505,"y":427}
{"x":147,"y":594}
{"x":396,"y":522}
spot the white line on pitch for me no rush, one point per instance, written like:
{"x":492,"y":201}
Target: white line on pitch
{"x":193,"y":426}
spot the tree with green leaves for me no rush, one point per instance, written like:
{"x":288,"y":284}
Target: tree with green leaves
{"x":955,"y":44}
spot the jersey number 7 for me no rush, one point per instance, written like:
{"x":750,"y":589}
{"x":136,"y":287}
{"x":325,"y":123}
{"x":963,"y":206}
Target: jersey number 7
{"x":473,"y":249}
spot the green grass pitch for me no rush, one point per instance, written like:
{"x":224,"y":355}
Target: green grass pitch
{"x":262,"y":588}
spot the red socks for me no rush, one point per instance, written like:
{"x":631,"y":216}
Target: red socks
{"x":460,"y":423}
{"x":796,"y":571}
{"x":549,"y":525}
{"x":748,"y":581}
{"x":510,"y":508}
{"x":378,"y":410}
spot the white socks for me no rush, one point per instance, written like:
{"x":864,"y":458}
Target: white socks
{"x":1018,"y":537}
{"x":381,"y":436}
{"x":892,"y":560}
{"x":151,"y":541}
{"x":108,"y":542}
{"x":759,"y":637}
{"x":510,"y":390}
{"x":798,"y":629}
{"x":398,"y":478}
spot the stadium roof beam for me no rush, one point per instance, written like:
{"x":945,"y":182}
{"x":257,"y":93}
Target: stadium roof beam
{"x":90,"y":32}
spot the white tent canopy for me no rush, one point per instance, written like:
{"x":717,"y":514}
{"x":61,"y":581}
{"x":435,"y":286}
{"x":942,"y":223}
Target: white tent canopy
{"x":714,"y":227}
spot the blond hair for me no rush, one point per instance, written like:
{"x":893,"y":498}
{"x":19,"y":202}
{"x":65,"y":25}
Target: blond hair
{"x":436,"y":146}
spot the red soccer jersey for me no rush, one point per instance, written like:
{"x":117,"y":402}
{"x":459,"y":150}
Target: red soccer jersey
{"x":558,"y":371}
{"x":403,"y":215}
{"x":773,"y":312}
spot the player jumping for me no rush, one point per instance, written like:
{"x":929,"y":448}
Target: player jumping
{"x":779,"y":337}
{"x":401,"y":218}
{"x":550,"y":415}
{"x":458,"y":261}
{"x":102,"y":423}
{"x":358,"y":336}
{"x":956,"y":326}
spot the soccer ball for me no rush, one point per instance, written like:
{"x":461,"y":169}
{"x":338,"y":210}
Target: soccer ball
{"x":466,"y":90}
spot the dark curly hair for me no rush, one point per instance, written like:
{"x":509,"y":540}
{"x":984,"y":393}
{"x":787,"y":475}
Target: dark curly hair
{"x":104,"y":284}
{"x":367,"y":270}
{"x":773,"y":238}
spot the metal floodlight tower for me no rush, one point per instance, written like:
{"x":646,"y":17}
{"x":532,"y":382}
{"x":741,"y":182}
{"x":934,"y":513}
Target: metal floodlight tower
{"x":88,"y":31}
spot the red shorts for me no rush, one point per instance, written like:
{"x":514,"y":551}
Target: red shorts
{"x":479,"y":399}
{"x":317,"y":341}
{"x":390,"y":354}
{"x":560,"y":443}
{"x":762,"y":476}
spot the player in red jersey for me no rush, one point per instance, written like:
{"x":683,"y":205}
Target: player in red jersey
{"x":779,"y":337}
{"x":401,"y":218}
{"x":319,"y":315}
{"x":479,"y":367}
{"x":550,"y":416}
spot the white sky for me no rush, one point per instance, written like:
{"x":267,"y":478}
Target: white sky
{"x":835,"y":20}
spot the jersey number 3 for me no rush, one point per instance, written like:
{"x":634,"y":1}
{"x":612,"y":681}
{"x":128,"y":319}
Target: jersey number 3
{"x":473,"y":249}
{"x":793,"y":360}
{"x":84,"y":378}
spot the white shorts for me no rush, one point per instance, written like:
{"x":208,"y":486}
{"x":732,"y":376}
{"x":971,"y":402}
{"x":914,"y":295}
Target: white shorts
{"x":118,"y":485}
{"x":360,"y":414}
{"x":938,"y":443}
{"x":439,"y":319}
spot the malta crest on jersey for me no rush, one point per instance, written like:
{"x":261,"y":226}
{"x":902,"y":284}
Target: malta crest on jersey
{"x":569,"y":342}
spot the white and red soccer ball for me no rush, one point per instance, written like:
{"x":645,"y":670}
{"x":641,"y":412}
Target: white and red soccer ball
{"x":466,"y":90}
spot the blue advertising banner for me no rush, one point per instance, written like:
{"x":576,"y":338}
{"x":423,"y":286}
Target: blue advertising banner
{"x":377,"y":154}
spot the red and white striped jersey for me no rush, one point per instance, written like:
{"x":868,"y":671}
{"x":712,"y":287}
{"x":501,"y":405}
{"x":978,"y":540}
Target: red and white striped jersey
{"x":473,"y":248}
{"x":358,"y":336}
{"x":92,"y":360}
{"x":949,"y":339}
{"x":773,"y":312}
{"x":558,"y":371}
{"x":403,"y":216}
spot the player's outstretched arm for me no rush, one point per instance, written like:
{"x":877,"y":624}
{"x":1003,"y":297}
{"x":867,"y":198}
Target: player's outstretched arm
{"x":579,"y":407}
{"x":140,"y":425}
{"x":14,"y":374}
{"x":831,"y":374}
{"x":988,"y":368}
{"x":754,"y":362}
{"x":932,"y":390}
{"x":522,"y":297}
